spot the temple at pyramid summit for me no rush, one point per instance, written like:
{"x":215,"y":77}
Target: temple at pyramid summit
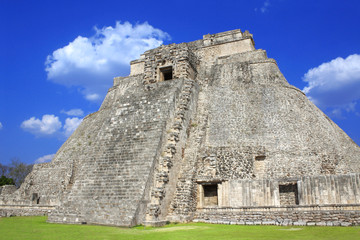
{"x":205,"y":131}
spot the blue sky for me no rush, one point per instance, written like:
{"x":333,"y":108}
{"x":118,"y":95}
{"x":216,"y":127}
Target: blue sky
{"x":58,"y":58}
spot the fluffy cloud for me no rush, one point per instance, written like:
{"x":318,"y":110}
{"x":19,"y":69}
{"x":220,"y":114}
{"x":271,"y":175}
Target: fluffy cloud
{"x":48,"y":125}
{"x":1,"y":126}
{"x":335,"y":85}
{"x":74,"y":112}
{"x":46,"y":158}
{"x":91,"y":63}
{"x":71,"y":124}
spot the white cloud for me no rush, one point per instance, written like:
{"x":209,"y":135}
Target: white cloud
{"x":264,"y":7}
{"x":46,"y":158}
{"x":48,"y":125}
{"x":77,"y":112}
{"x":335,"y":85}
{"x":71,"y":124}
{"x":92,"y":97}
{"x":92,"y":62}
{"x":1,"y":126}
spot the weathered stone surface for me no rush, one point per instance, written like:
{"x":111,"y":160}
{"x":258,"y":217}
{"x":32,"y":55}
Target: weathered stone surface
{"x":21,"y":210}
{"x":285,"y":216}
{"x":208,"y":131}
{"x":7,"y":189}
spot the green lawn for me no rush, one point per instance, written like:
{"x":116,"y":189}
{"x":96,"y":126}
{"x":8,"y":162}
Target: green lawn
{"x":37,"y":228}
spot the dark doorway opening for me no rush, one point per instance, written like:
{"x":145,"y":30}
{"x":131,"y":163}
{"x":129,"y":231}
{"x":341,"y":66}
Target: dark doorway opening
{"x":166,"y":73}
{"x":288,"y":194}
{"x":210,"y":195}
{"x":35,"y":198}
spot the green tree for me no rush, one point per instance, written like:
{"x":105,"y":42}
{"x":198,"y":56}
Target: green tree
{"x":6,"y":181}
{"x":18,"y":171}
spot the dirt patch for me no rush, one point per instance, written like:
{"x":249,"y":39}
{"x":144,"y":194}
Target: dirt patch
{"x":170,"y":229}
{"x":291,"y":229}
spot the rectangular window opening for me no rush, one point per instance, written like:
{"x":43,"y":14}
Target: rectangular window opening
{"x":259,"y":166}
{"x":166,"y":73}
{"x":210,"y":195}
{"x":288,"y":194}
{"x":35,"y":198}
{"x":260,"y":158}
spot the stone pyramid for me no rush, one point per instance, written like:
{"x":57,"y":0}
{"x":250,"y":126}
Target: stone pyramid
{"x":206,"y":131}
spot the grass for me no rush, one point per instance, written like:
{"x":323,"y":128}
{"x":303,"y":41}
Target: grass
{"x":37,"y":228}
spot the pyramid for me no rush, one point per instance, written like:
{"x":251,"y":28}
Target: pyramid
{"x":205,"y":131}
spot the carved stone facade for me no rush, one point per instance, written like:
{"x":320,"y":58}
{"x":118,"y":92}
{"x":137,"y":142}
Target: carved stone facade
{"x":206,"y":131}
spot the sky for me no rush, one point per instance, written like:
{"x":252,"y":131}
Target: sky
{"x":58,"y":58}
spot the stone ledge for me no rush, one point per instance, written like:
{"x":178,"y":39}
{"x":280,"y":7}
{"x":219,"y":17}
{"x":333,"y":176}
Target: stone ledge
{"x":5,"y":206}
{"x":327,"y":207}
{"x":288,"y":223}
{"x":315,"y":215}
{"x":19,"y":210}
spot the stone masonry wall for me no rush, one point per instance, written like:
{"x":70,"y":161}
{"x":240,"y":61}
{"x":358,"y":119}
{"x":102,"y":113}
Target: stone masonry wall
{"x":169,"y":163}
{"x":252,"y":109}
{"x":21,"y":210}
{"x":297,"y":216}
{"x":256,"y":126}
{"x":320,"y":190}
{"x":46,"y":181}
{"x":115,"y":166}
{"x":228,"y":163}
{"x":7,"y":189}
{"x":239,"y":193}
{"x":177,"y":56}
{"x":183,"y":203}
{"x":330,"y":189}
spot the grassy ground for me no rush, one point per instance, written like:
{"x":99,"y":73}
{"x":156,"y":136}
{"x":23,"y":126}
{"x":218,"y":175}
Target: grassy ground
{"x":37,"y":228}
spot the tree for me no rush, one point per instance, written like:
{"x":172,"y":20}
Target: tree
{"x":4,"y":170}
{"x":18,"y":171}
{"x":6,"y":181}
